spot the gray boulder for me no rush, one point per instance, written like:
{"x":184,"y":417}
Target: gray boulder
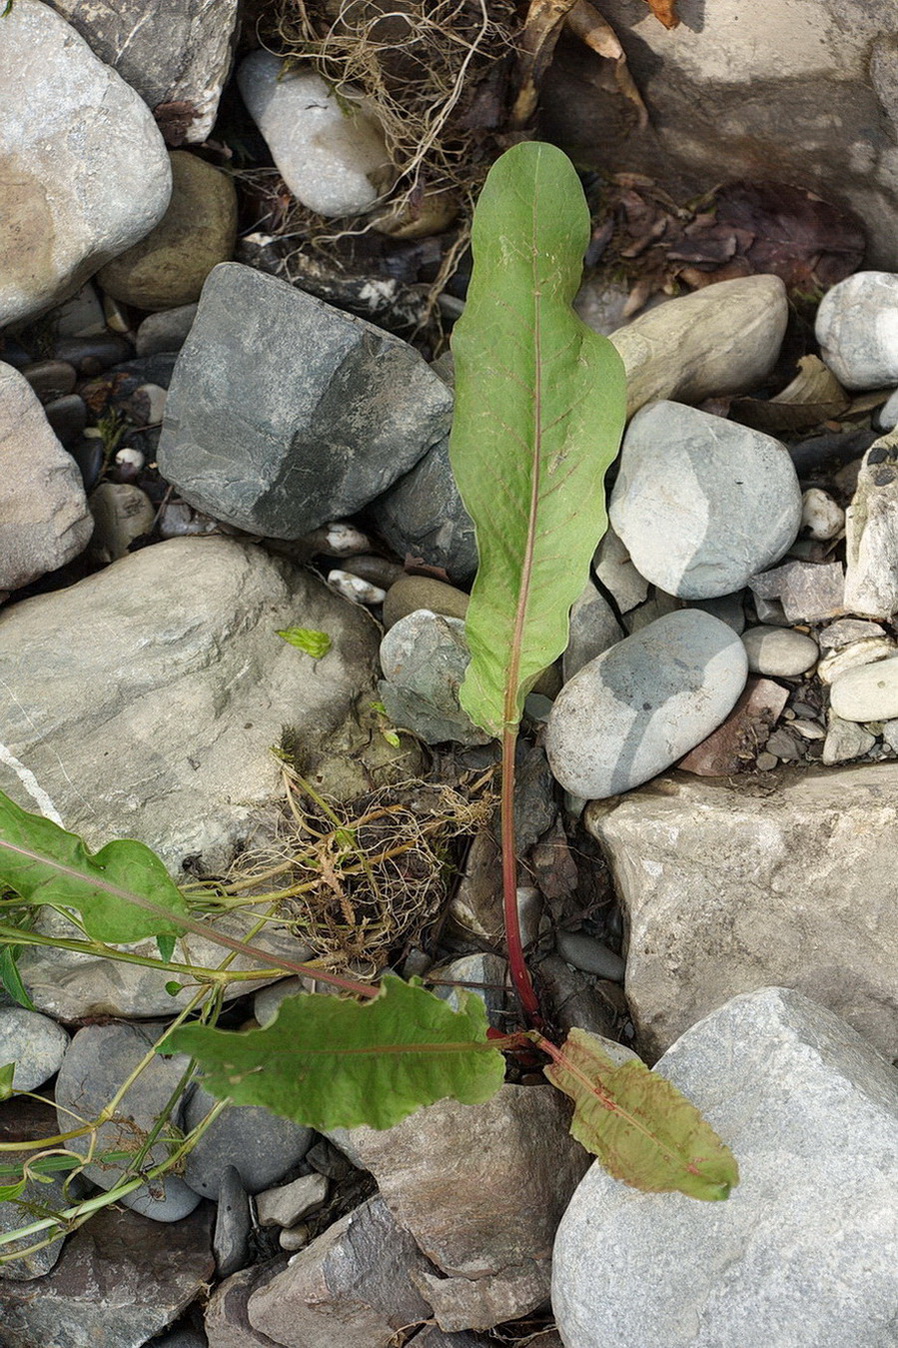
{"x":643,"y":704}
{"x":726,"y":891}
{"x":802,"y":1253}
{"x":284,"y":413}
{"x":85,"y":168}
{"x":154,"y":716}
{"x":44,"y":519}
{"x":701,"y":503}
{"x":173,"y":51}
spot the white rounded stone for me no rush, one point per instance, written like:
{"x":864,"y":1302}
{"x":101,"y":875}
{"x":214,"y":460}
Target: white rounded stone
{"x":869,"y":693}
{"x":864,"y":652}
{"x":821,"y":516}
{"x":702,"y":504}
{"x":327,"y":158}
{"x":35,"y":1043}
{"x":779,"y":651}
{"x":857,"y":328}
{"x":643,"y":704}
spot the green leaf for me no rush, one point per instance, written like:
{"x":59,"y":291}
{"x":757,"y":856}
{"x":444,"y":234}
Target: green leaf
{"x":540,"y":402}
{"x":316,"y":644}
{"x":173,"y":988}
{"x":330,"y":1063}
{"x":8,"y":1192}
{"x":7,"y":1072}
{"x":12,"y":979}
{"x":61,"y":870}
{"x":166,"y":947}
{"x":643,"y":1130}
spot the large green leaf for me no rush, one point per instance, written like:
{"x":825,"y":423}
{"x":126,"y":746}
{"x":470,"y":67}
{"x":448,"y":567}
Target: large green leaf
{"x":540,"y":402}
{"x":330,"y":1063}
{"x":45,"y":864}
{"x":643,"y":1130}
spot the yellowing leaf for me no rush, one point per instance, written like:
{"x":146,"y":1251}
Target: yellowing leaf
{"x":665,"y":11}
{"x":643,"y":1130}
{"x":330,"y":1063}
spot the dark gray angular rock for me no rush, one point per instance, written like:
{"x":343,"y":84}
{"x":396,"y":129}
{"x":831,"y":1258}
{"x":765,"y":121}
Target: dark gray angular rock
{"x":261,"y":1145}
{"x":120,"y":1280}
{"x":284,"y":413}
{"x":424,"y":515}
{"x":352,"y":1286}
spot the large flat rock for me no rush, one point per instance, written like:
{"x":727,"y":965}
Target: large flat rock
{"x":802,"y":1254}
{"x":726,"y":890}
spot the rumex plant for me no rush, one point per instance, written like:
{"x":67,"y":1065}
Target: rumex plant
{"x":540,"y":406}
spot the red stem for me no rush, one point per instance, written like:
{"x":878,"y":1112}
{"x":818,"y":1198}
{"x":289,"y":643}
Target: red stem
{"x":520,"y":974}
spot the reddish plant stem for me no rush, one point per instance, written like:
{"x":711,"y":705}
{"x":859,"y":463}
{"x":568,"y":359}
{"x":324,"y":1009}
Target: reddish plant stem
{"x":520,"y":974}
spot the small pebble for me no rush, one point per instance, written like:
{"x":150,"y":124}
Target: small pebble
{"x":890,"y":734}
{"x":590,"y":955}
{"x":821,"y":516}
{"x":285,"y":1205}
{"x":779,"y":651}
{"x":846,"y":630}
{"x":68,"y":417}
{"x":295,"y":1237}
{"x":233,"y":1223}
{"x":355,"y":589}
{"x":766,"y":762}
{"x":809,"y":730}
{"x":130,"y":460}
{"x":50,"y":378}
{"x":122,"y":513}
{"x":378,"y":570}
{"x":887,"y":417}
{"x":868,"y":693}
{"x":155,"y":396}
{"x":845,"y":740}
{"x":866,"y":652}
{"x":784,"y":746}
{"x":410,"y":593}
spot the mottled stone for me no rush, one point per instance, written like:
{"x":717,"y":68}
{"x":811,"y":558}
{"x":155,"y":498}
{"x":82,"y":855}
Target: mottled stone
{"x":857,"y":328}
{"x":423,"y":516}
{"x":871,"y":533}
{"x":808,"y":591}
{"x":121,"y":1280}
{"x":424,"y":657}
{"x":174,"y":52}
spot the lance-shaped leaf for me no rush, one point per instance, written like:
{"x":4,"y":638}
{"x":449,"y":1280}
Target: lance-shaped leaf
{"x":643,"y":1130}
{"x":45,"y":864}
{"x":330,"y":1063}
{"x":540,"y":401}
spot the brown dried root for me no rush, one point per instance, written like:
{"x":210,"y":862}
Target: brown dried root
{"x":358,"y":883}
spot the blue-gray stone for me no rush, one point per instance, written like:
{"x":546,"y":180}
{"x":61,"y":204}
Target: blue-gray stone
{"x":641,"y":706}
{"x":700,"y":503}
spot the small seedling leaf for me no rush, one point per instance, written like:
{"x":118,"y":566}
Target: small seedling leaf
{"x":331,"y":1063}
{"x":11,"y":979}
{"x":60,"y":870}
{"x":643,"y":1130}
{"x":9,"y":1192}
{"x":7,"y":1072}
{"x":540,"y":401}
{"x":166,"y":947}
{"x":316,"y":644}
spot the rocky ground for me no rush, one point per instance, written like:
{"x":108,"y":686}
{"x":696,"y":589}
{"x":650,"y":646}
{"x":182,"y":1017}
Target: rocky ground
{"x":210,"y":435}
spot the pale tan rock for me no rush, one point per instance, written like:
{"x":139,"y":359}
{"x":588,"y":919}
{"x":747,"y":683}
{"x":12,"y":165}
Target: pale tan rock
{"x":727,"y":891}
{"x":724,"y":339}
{"x":871,"y":533}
